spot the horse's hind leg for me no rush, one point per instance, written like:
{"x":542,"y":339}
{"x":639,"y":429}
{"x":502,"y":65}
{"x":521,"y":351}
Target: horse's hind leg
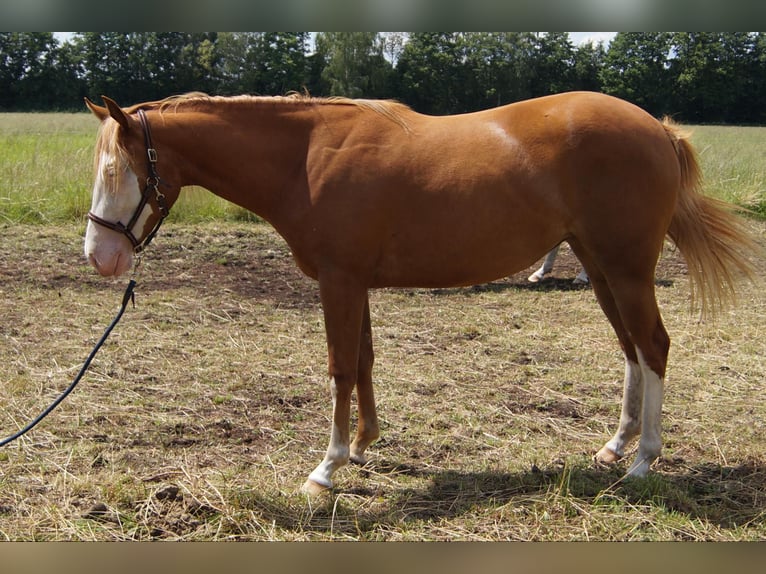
{"x":546,"y":267}
{"x":652,"y":346}
{"x":633,"y":385}
{"x":368,"y":429}
{"x":638,"y":311}
{"x":631,"y":308}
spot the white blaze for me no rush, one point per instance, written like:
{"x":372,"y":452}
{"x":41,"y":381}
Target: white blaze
{"x":116,"y":196}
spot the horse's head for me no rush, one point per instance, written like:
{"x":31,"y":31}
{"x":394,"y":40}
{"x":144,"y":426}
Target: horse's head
{"x":128,"y":203}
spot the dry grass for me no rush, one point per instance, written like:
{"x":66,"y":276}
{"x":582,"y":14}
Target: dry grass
{"x":209,"y":405}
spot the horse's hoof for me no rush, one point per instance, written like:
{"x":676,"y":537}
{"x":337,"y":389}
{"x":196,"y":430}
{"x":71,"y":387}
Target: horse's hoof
{"x":606,"y":456}
{"x":314,"y":488}
{"x":640,"y":468}
{"x":359,"y":459}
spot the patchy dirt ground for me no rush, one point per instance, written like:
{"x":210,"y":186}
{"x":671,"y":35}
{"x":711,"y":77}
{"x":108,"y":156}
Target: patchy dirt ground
{"x":208,"y":406}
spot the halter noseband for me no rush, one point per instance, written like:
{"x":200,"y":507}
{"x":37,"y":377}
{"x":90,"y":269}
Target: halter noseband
{"x":152,"y":186}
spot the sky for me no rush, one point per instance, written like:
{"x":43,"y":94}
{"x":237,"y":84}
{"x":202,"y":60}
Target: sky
{"x":582,"y":37}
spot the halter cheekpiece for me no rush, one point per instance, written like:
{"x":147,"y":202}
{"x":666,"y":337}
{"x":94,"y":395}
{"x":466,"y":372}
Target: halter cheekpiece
{"x":152,"y":189}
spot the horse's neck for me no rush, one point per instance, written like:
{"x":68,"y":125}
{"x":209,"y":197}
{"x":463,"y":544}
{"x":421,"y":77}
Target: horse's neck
{"x":248,"y":159}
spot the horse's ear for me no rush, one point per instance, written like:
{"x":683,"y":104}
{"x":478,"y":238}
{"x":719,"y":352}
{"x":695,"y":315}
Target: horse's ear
{"x":100,"y":112}
{"x":116,"y":112}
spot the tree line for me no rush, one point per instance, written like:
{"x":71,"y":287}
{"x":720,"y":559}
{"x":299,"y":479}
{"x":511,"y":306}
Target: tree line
{"x":710,"y":77}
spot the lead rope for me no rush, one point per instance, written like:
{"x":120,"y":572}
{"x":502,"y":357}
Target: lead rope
{"x":128,"y":296}
{"x":153,"y":182}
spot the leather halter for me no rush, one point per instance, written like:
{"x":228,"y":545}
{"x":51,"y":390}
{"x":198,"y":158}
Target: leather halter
{"x":152,"y":188}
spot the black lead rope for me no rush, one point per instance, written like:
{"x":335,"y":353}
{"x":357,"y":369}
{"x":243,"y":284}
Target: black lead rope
{"x":152,"y":184}
{"x":128,"y":296}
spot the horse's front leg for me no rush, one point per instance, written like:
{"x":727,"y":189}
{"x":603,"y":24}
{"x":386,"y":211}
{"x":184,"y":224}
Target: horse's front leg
{"x":369,"y":429}
{"x":343,"y":302}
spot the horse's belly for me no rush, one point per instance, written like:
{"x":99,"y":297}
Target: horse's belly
{"x":456,"y":263}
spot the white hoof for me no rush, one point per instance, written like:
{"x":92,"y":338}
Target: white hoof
{"x":640,"y":468}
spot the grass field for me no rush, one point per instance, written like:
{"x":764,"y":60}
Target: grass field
{"x":46,"y":173}
{"x":208,"y":406}
{"x":732,"y":160}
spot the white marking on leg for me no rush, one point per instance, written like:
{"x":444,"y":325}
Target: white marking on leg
{"x":337,"y":456}
{"x":337,"y":452}
{"x":650,"y":444}
{"x":546,"y":267}
{"x":630,"y":415}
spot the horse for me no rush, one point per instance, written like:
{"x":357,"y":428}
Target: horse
{"x":371,"y":194}
{"x":547,"y":267}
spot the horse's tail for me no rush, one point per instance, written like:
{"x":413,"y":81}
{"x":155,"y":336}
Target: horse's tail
{"x":712,"y":238}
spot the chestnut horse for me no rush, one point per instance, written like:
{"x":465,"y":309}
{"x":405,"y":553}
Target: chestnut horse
{"x":372,"y":194}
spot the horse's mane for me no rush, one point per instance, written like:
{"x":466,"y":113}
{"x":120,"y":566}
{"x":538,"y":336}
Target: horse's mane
{"x":390,"y":109}
{"x":109,"y":143}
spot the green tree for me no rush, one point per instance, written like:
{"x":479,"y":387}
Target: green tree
{"x":553,"y":63}
{"x":197,"y":63}
{"x":497,"y":67}
{"x":754,"y":103}
{"x":431,"y":73}
{"x":588,"y":63}
{"x":698,"y":77}
{"x":711,"y":70}
{"x":235,"y":73}
{"x":108,"y":60}
{"x":281,"y":62}
{"x":267,"y":63}
{"x":36,"y":73}
{"x":637,"y":69}
{"x":392,"y":44}
{"x":141,"y":66}
{"x":353,"y":64}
